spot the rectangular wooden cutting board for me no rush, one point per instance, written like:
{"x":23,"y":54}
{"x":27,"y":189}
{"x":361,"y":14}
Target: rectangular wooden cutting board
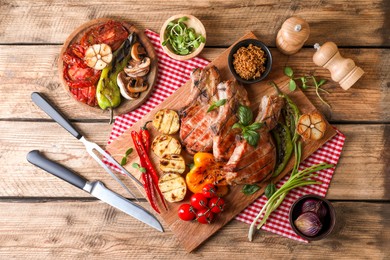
{"x":192,"y":234}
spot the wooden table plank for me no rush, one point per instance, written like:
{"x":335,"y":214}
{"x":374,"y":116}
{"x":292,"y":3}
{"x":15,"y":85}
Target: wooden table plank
{"x":20,"y":77}
{"x":45,"y":21}
{"x":364,"y":143}
{"x":74,"y":230}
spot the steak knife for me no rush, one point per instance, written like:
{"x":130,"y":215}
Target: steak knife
{"x":51,"y":111}
{"x":95,"y":188}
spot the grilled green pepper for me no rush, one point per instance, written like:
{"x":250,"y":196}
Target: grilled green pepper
{"x":107,"y":91}
{"x":284,"y":144}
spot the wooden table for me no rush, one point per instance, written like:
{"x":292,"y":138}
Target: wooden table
{"x":42,"y":217}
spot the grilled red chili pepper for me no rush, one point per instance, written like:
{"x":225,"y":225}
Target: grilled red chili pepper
{"x":148,"y":186}
{"x":146,"y":163}
{"x":145,"y":136}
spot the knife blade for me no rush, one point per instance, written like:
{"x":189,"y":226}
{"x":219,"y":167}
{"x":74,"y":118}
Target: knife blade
{"x":95,"y":188}
{"x":51,"y":111}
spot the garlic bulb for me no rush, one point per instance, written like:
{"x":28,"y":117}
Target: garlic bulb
{"x":311,"y":126}
{"x":98,"y":56}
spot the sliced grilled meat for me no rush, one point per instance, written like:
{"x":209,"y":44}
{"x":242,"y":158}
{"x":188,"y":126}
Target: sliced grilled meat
{"x":250,"y":164}
{"x":269,"y":110}
{"x":224,"y":140}
{"x":195,"y":130}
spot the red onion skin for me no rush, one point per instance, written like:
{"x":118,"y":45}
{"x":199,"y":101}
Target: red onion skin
{"x":315,"y":206}
{"x":308,"y":223}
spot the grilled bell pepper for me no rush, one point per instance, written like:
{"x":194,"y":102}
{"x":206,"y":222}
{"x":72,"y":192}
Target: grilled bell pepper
{"x":206,"y":171}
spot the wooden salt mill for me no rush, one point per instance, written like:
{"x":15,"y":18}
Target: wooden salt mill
{"x":293,"y":34}
{"x":343,"y":70}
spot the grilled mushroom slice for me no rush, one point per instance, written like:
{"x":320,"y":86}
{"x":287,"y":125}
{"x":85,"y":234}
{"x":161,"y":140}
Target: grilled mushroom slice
{"x":311,"y":126}
{"x":137,"y":51}
{"x":138,"y":68}
{"x":131,"y":88}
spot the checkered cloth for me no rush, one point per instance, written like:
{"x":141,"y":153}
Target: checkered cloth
{"x":171,"y":75}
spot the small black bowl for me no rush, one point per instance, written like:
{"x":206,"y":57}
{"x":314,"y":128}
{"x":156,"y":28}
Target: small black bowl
{"x":245,"y":43}
{"x":328,"y":222}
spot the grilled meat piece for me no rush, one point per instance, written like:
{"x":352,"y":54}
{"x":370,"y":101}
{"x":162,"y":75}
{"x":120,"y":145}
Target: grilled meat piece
{"x":224,"y":140}
{"x":269,"y":110}
{"x":195,"y":130}
{"x":250,"y":164}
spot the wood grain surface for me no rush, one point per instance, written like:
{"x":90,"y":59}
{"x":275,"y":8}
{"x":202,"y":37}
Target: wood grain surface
{"x":42,"y":217}
{"x":373,"y":87}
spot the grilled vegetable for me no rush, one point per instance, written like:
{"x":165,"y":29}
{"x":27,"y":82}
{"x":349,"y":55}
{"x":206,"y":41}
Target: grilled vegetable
{"x":173,"y":187}
{"x":311,"y":126}
{"x":282,"y":136}
{"x":165,"y":144}
{"x":206,"y":171}
{"x":98,"y":56}
{"x":166,"y":121}
{"x":172,"y":163}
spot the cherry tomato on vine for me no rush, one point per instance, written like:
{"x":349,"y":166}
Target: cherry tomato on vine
{"x":216,"y":204}
{"x":205,"y":216}
{"x":186,"y":212}
{"x":199,"y":201}
{"x":209,"y":190}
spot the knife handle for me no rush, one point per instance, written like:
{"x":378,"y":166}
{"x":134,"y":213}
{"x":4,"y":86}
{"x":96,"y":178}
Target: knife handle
{"x":51,"y":111}
{"x":36,"y":158}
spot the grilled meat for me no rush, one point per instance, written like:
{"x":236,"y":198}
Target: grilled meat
{"x":250,"y":164}
{"x":269,"y":110}
{"x":195,"y":130}
{"x":224,"y":140}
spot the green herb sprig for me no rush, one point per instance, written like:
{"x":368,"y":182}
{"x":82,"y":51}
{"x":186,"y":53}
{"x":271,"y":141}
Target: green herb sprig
{"x":245,"y":117}
{"x":138,"y":167}
{"x":216,"y":104}
{"x":182,"y":39}
{"x":305,"y":80}
{"x":124,"y":158}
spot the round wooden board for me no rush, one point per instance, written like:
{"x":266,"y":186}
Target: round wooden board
{"x":126,"y":105}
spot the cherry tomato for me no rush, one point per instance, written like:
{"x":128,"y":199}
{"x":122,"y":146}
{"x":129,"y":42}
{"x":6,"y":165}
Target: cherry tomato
{"x":216,"y":204}
{"x":209,"y":190}
{"x":205,"y":216}
{"x":186,"y":212}
{"x":199,"y":201}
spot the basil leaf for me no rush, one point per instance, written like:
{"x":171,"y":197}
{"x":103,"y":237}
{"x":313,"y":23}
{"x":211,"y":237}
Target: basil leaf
{"x":292,"y":85}
{"x":245,"y":115}
{"x":135,"y":166}
{"x":129,"y":151}
{"x":216,"y":104}
{"x":270,"y":190}
{"x":252,"y":137}
{"x":288,"y":72}
{"x":124,"y":161}
{"x":250,"y":189}
{"x":237,"y":125}
{"x":255,"y":126}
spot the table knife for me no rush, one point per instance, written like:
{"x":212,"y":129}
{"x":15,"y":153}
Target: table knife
{"x":51,"y":111}
{"x":95,"y":188}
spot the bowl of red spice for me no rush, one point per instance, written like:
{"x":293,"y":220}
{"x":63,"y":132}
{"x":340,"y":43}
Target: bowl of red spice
{"x":250,"y":61}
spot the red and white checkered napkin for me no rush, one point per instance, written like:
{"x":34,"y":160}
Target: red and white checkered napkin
{"x":171,"y":75}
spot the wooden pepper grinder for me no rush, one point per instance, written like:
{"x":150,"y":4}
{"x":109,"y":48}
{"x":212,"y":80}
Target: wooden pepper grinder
{"x":293,"y":34}
{"x":343,"y":70}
